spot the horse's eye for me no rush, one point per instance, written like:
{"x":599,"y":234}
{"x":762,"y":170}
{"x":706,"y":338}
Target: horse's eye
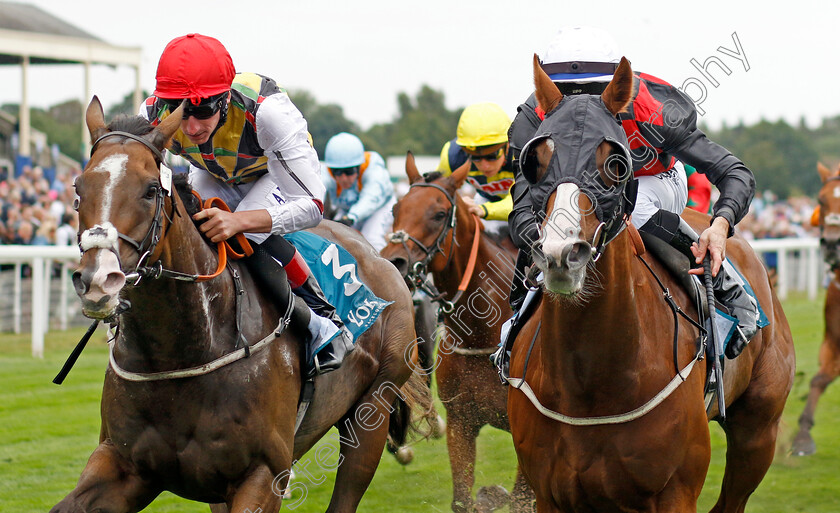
{"x":151,"y":192}
{"x":439,"y":216}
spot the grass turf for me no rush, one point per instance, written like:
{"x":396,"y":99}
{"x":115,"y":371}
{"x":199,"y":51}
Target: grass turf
{"x":48,"y":432}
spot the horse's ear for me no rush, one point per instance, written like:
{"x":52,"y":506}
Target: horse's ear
{"x":548,"y":96}
{"x":459,"y":175}
{"x":95,"y":119}
{"x":411,"y":168}
{"x":162,"y":133}
{"x":824,"y":172}
{"x":618,"y":93}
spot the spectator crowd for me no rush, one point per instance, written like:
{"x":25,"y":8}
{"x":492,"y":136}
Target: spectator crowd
{"x":34,"y":211}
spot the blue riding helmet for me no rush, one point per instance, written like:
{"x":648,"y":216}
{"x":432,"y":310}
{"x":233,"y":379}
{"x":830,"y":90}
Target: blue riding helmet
{"x":344,"y":150}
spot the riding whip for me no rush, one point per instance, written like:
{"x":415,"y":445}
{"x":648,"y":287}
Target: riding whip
{"x":717,"y":350}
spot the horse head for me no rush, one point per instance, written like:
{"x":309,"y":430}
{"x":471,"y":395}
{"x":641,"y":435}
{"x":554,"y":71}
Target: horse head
{"x":578,"y":166}
{"x":122,"y":200}
{"x":827,"y":216}
{"x":425,"y":220}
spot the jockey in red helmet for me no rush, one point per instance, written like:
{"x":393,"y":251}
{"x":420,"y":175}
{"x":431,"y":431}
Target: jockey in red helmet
{"x":247,"y":144}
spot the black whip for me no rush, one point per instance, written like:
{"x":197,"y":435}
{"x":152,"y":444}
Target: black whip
{"x":718,"y":366}
{"x":77,"y":351}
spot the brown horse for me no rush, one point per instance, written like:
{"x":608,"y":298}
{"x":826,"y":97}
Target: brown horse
{"x":185,"y":407}
{"x":433,"y":231}
{"x":611,"y":418}
{"x":829,"y":222}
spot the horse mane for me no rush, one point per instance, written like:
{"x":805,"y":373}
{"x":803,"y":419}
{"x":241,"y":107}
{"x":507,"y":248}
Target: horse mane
{"x":181,"y":181}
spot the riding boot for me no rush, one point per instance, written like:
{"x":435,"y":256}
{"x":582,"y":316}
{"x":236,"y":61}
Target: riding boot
{"x":728,"y":286}
{"x":323,"y":331}
{"x":331,"y":353}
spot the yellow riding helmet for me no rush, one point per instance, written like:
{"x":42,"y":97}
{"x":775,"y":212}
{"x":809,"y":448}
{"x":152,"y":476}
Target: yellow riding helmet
{"x":482,"y":124}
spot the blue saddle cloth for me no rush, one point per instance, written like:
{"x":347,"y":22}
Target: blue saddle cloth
{"x":725,"y":324}
{"x":335,"y":270}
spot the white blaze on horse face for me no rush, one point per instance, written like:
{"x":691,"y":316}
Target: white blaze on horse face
{"x":563,"y":226}
{"x":114,"y":166}
{"x":837,"y":192}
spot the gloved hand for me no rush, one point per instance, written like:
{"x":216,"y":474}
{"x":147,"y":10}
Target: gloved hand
{"x":345,"y":220}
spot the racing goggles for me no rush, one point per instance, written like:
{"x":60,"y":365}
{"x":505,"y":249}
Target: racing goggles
{"x":205,"y":110}
{"x":490,"y":156}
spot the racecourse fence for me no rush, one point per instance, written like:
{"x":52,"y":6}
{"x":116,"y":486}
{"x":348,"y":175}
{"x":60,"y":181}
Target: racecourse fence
{"x":36,"y":293}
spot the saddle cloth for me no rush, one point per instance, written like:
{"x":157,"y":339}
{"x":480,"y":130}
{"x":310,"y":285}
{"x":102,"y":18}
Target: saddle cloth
{"x":335,"y":270}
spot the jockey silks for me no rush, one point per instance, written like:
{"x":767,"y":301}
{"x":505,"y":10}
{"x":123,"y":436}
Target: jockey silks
{"x":233,"y":153}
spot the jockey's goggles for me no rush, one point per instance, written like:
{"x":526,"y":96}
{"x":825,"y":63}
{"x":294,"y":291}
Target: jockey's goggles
{"x":490,"y":156}
{"x":205,"y":110}
{"x":338,"y":171}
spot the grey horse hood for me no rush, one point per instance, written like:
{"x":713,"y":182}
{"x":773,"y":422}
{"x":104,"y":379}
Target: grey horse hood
{"x":576,"y":127}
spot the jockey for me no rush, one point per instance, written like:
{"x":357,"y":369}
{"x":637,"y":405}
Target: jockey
{"x":482,"y":137}
{"x":358,"y":183}
{"x":661,"y":127}
{"x":248,"y":145}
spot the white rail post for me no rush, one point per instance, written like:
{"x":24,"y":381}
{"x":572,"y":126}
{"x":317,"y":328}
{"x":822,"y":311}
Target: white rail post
{"x":782,"y":272}
{"x":47,"y":293}
{"x":38,"y":307}
{"x":62,"y":300}
{"x":18,"y":293}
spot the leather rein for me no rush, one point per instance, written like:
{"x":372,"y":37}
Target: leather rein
{"x":146,"y":248}
{"x":418,"y":272}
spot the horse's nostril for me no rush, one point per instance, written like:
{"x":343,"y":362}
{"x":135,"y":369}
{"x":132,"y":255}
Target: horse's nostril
{"x":79,"y":284}
{"x":114,"y":281}
{"x":401,"y":264}
{"x":578,"y":255}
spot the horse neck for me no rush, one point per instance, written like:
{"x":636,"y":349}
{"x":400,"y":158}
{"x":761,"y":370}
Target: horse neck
{"x":171,"y":321}
{"x":606,"y":327}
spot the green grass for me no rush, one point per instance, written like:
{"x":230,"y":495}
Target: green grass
{"x":48,"y":432}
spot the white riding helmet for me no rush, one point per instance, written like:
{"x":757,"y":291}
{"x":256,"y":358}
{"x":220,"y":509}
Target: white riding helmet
{"x":344,"y":150}
{"x":581,"y":55}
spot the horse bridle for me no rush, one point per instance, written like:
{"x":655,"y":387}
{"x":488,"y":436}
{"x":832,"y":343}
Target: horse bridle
{"x":418,"y":271}
{"x":147,"y":246}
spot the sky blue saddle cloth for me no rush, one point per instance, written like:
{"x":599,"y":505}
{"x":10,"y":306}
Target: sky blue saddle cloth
{"x":725,"y":324}
{"x":335,"y":270}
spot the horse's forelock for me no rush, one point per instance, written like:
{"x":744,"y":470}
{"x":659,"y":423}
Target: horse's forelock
{"x":432,"y":176}
{"x":136,"y":125}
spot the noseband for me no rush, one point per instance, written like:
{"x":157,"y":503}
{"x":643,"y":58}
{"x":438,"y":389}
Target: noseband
{"x":418,"y":270}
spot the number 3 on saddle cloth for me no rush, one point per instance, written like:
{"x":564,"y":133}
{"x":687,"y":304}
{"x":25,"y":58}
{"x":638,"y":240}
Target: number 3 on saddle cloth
{"x":335,"y":270}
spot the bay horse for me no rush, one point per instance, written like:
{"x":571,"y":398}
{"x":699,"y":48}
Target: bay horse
{"x":827,"y":218}
{"x":201,"y":394}
{"x":434,"y":232}
{"x":593,"y":424}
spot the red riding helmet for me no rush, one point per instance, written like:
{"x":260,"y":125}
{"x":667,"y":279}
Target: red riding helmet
{"x":195,"y":67}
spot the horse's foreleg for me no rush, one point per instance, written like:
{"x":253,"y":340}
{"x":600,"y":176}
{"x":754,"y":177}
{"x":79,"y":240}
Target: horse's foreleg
{"x":751,"y":432}
{"x":108,"y":484}
{"x":261,"y":492}
{"x":362,"y":434}
{"x":803,"y":443}
{"x":460,"y":441}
